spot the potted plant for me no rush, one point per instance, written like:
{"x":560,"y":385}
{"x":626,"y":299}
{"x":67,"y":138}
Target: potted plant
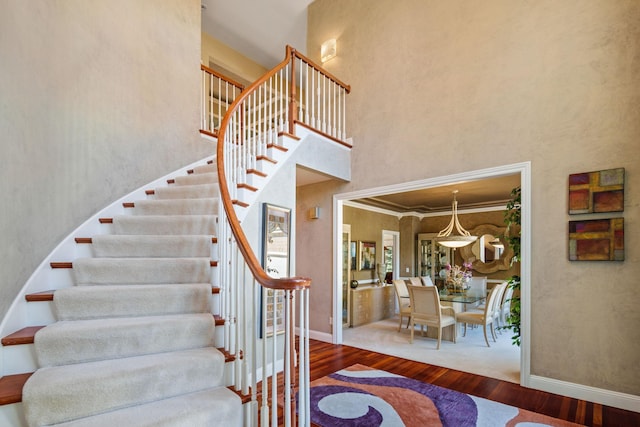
{"x":512,"y":234}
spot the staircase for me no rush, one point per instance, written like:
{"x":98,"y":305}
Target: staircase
{"x":152,"y":308}
{"x":134,"y":339}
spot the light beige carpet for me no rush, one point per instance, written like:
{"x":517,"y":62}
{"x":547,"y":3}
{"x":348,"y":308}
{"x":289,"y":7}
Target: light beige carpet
{"x":469,"y":354}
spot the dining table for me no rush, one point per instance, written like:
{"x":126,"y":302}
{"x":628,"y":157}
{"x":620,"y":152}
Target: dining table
{"x":472,"y":296}
{"x":460,"y":302}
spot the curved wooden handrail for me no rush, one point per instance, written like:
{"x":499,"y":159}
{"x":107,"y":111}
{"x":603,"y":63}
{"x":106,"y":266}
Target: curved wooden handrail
{"x":221,"y":77}
{"x":288,"y":283}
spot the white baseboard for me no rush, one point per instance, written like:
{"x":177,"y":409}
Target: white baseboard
{"x":321,"y":336}
{"x":615,"y":399}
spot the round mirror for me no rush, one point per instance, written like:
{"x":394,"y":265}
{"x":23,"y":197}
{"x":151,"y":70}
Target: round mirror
{"x":490,"y":252}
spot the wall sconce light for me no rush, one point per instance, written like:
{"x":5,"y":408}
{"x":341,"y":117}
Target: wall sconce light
{"x":314,"y":213}
{"x":328,"y":50}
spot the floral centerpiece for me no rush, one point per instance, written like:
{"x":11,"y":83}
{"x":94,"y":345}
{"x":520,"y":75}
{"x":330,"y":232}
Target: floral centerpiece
{"x":458,"y":277}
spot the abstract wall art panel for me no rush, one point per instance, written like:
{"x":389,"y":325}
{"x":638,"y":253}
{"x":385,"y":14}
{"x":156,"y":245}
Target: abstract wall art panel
{"x":593,"y":192}
{"x":596,"y":240}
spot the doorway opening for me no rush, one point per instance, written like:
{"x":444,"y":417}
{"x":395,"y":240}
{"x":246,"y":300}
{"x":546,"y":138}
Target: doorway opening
{"x":524,"y":171}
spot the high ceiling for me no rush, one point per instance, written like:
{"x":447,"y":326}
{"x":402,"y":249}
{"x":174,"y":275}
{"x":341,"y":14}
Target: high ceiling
{"x":260,"y":30}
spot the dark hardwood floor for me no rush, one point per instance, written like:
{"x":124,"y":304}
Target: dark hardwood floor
{"x":327,"y":358}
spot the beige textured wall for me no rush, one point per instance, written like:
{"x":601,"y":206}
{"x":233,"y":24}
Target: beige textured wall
{"x":235,"y":64}
{"x":445,"y":87}
{"x":368,"y":226}
{"x":96,"y":99}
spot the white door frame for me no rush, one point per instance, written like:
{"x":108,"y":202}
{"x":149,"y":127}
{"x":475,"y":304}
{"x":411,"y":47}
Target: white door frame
{"x":524,"y":169}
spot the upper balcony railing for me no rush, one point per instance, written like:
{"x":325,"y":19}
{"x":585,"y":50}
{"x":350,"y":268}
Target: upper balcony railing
{"x":296,"y":92}
{"x":218,"y":92}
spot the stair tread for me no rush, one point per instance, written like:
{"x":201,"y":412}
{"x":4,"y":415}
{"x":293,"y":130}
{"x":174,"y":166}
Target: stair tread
{"x":66,"y":387}
{"x":11,"y":388}
{"x":201,"y":407}
{"x":26,"y":335}
{"x":48,"y":294}
{"x":40,"y":296}
{"x":11,"y":385}
{"x":22,"y":336}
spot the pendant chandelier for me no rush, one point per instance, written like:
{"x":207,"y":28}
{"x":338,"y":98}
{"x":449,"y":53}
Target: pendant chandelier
{"x":463,"y":238}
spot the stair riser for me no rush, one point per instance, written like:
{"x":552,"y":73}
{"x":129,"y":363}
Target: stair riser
{"x":197,"y":178}
{"x":19,"y":359}
{"x":192,"y":225}
{"x":41,"y":312}
{"x":175,"y":207}
{"x":92,"y":302}
{"x":150,"y":270}
{"x":246,"y":196}
{"x":84,"y":341}
{"x":151,"y":246}
{"x":208,"y":168}
{"x":22,"y":358}
{"x":12,"y":415}
{"x":256,"y":180}
{"x":186,"y":192}
{"x":205,"y":408}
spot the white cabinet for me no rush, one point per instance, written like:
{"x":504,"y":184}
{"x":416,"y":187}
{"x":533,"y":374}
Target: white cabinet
{"x":431,"y":256}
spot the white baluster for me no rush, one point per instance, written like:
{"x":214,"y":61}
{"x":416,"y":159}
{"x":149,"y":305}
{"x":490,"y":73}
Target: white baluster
{"x":344,"y":115}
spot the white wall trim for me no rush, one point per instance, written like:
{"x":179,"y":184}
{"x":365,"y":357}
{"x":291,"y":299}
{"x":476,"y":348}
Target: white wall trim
{"x":399,"y":215}
{"x":615,"y":399}
{"x":321,"y":336}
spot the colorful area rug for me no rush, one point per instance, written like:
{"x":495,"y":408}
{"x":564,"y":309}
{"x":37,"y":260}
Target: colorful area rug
{"x":362,"y":396}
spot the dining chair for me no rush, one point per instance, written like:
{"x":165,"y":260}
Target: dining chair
{"x":402,"y":294}
{"x":478,"y":285}
{"x":485,"y":317}
{"x":505,"y":307}
{"x":415,"y":281}
{"x":426,"y":280}
{"x":497,"y":308}
{"x":427,"y":311}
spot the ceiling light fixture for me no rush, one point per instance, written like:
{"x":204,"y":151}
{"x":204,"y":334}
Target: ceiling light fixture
{"x":445,"y":238}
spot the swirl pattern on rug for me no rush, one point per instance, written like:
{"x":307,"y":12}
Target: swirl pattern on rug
{"x":361,"y":396}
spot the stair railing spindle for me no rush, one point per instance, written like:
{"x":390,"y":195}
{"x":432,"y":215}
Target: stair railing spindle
{"x":251,"y":122}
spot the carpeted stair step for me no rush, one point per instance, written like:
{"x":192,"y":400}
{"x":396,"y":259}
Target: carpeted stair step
{"x":196,"y":178}
{"x":165,"y":224}
{"x":120,"y":246}
{"x":64,"y":393}
{"x":208,"y":168}
{"x":111,"y":271}
{"x":198,"y":191}
{"x":213,"y":407}
{"x":89,"y":302}
{"x":79,"y":341}
{"x":204,"y":206}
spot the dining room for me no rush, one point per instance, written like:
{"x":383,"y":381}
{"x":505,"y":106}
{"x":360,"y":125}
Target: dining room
{"x":416,"y":254}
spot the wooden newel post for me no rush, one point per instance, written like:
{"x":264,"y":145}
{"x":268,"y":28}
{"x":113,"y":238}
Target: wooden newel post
{"x":293,"y":103}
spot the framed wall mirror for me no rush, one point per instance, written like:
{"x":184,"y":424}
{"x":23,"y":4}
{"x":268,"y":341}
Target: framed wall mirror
{"x":276,"y":247}
{"x":491,"y":252}
{"x":276,"y":240}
